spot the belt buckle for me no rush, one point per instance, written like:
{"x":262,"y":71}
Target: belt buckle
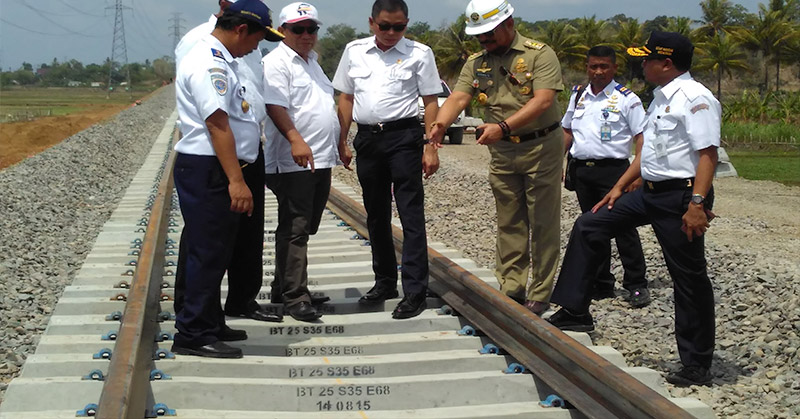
{"x":377,"y":128}
{"x":514,"y":139}
{"x":590,"y":164}
{"x":650,"y":185}
{"x":688,"y":183}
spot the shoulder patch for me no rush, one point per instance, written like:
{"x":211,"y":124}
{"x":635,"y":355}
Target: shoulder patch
{"x":220,"y":83}
{"x":217,"y":70}
{"x":534,"y":45}
{"x":576,"y":87}
{"x":476,"y":55}
{"x":217,"y":53}
{"x":699,"y":107}
{"x":622,"y":89}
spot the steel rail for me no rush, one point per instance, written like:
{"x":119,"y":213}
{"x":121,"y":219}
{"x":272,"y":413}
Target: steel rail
{"x":597,"y":388}
{"x":126,"y":391}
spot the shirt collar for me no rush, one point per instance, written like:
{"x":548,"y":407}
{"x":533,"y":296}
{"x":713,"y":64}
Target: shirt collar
{"x":212,"y":20}
{"x":608,"y":90}
{"x":212,"y":41}
{"x":402,"y":46}
{"x":292,"y":54}
{"x":518,"y":43}
{"x":674,"y":85}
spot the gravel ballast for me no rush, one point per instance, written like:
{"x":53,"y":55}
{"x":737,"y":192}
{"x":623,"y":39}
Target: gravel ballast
{"x":54,"y":204}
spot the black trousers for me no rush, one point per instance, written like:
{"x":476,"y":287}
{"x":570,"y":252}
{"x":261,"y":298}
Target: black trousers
{"x":390,"y":164}
{"x":694,"y":297}
{"x":245,"y":271}
{"x":207,"y":242}
{"x":592,"y":183}
{"x":301,"y":200}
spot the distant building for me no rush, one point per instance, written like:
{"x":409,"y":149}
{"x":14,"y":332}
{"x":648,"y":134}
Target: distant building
{"x":96,"y":84}
{"x":73,"y":83}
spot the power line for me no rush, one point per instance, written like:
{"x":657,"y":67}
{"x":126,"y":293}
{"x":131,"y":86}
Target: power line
{"x":40,"y":13}
{"x":176,"y":29}
{"x":78,"y":10}
{"x":119,"y":52}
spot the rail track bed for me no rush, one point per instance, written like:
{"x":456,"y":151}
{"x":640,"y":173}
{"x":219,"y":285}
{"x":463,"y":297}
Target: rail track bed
{"x":473,"y":353}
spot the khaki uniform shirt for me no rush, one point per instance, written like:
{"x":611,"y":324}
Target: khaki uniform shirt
{"x":504,"y":84}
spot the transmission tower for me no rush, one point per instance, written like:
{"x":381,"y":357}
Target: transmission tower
{"x":176,"y":29}
{"x":119,"y":52}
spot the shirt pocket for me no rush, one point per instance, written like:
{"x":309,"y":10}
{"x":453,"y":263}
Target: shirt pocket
{"x":399,"y":81}
{"x":360,"y":76}
{"x":301,"y":91}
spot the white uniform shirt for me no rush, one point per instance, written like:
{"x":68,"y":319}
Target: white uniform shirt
{"x":615,"y":105}
{"x":683,"y":118}
{"x":305,"y":91}
{"x":386,"y":84}
{"x":207,"y":80}
{"x":251,"y":75}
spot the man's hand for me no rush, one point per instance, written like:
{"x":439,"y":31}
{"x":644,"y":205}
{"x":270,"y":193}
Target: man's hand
{"x":241,"y":198}
{"x":437,"y":135}
{"x":430,"y":160}
{"x":301,"y":154}
{"x":609,"y":199}
{"x":695,"y":221}
{"x":490,"y":134}
{"x":636,"y":184}
{"x":345,"y":155}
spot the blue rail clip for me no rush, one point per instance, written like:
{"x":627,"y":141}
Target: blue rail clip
{"x":467,"y":331}
{"x":157,"y":374}
{"x":111,"y":335}
{"x":161,"y":409}
{"x":162,"y":353}
{"x":94,"y":375}
{"x":89,"y":410}
{"x":104,"y":353}
{"x":552,"y":401}
{"x":514,"y":368}
{"x":489,"y":348}
{"x":114,"y":316}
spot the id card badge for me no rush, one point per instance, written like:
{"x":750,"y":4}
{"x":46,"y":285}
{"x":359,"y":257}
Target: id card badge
{"x":660,"y":143}
{"x":605,"y":128}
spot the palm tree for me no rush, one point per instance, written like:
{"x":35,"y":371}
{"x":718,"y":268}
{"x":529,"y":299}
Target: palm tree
{"x":716,"y":16}
{"x":560,"y":36}
{"x":452,"y":48}
{"x":630,"y":33}
{"x":681,"y":25}
{"x":769,"y":33}
{"x":721,"y":54}
{"x":590,"y":32}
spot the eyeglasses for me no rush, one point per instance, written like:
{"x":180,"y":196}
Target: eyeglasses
{"x":489,"y":34}
{"x":384,"y":27}
{"x":299,"y":30}
{"x":511,"y":78}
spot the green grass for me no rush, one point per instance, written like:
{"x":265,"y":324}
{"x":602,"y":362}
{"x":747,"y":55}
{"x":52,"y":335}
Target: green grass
{"x":757,"y":133}
{"x":776,"y":165}
{"x":61,"y":100}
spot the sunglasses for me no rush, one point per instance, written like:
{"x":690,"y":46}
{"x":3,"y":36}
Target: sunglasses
{"x":299,"y":30}
{"x":384,"y":27}
{"x":511,"y":78}
{"x":489,"y":34}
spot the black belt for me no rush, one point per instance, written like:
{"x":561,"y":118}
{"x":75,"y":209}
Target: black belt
{"x":390,"y":126}
{"x":516,"y":139}
{"x":601,"y":162}
{"x":668,"y":185}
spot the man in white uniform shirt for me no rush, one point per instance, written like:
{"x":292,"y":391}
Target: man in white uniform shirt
{"x":220,"y":136}
{"x":302,"y":135}
{"x":245,"y":273}
{"x":678,"y":159}
{"x":381,"y":78}
{"x":603,"y":120}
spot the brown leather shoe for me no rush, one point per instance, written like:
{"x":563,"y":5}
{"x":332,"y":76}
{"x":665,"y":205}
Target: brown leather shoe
{"x":537,"y":307}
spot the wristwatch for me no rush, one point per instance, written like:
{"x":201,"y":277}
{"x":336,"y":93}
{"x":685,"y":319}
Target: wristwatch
{"x":698,"y":199}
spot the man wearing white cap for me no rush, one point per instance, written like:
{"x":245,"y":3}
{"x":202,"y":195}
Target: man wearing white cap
{"x":245,"y":272}
{"x":515,"y":80}
{"x":302,"y":133}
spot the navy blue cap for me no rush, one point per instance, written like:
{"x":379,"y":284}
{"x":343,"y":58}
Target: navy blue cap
{"x":662,"y":45}
{"x":256,"y":11}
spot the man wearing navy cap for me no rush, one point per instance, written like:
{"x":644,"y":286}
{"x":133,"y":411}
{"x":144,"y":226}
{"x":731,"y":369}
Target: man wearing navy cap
{"x":220,"y":136}
{"x":677,"y":164}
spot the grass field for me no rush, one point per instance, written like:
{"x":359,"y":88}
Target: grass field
{"x":778,"y":166}
{"x":18,"y":102}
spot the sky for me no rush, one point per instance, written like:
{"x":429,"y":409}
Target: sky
{"x":38,"y":31}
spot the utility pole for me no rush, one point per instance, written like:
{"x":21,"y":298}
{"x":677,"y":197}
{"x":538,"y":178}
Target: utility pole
{"x":176,"y":29}
{"x":119,"y":52}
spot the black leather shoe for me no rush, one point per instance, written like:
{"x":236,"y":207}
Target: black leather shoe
{"x":639,"y":297}
{"x":303,"y":312}
{"x":690,"y":376}
{"x":379,"y":293}
{"x":565,"y":320}
{"x":213,"y":350}
{"x":410,"y":306}
{"x":260,"y":315}
{"x":319,"y":299}
{"x":227,"y":334}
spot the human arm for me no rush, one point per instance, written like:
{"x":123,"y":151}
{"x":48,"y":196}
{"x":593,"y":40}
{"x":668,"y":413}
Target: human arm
{"x":695,"y":220}
{"x":630,"y":176}
{"x":224,"y":144}
{"x":301,"y":152}
{"x":542,"y":100}
{"x":638,"y":139}
{"x":430,"y":154}
{"x":345,"y":114}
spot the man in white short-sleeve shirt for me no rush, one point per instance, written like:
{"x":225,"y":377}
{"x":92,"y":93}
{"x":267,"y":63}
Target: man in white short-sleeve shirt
{"x":302,"y":135}
{"x":678,"y":159}
{"x":220,"y":137}
{"x":603,"y":121}
{"x":381,"y":78}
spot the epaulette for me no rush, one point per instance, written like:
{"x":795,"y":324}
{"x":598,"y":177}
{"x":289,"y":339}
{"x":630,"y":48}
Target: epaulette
{"x":576,"y":87}
{"x":622,"y":89}
{"x":476,"y":55}
{"x":534,"y":45}
{"x":217,"y":53}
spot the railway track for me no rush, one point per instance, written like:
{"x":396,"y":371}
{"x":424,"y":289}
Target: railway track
{"x":473,"y":353}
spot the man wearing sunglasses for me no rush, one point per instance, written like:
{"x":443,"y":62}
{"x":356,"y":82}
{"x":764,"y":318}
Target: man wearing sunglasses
{"x":301,"y":148}
{"x":515,"y":81}
{"x":381,"y":78}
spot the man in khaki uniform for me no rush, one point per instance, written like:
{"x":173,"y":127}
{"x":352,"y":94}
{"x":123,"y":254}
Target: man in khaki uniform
{"x":515,"y":80}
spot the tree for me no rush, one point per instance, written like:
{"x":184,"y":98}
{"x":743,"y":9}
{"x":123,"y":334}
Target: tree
{"x":681,"y":25}
{"x":630,"y":33}
{"x":418,"y":29}
{"x":331,"y":46}
{"x":716,"y":16}
{"x":655,"y":25}
{"x":770,"y":34}
{"x":589,"y":32}
{"x":560,"y":36}
{"x":452,"y":48}
{"x":721,"y":54}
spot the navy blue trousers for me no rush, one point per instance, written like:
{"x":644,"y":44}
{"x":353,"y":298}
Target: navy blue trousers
{"x":392,"y":162}
{"x":694,"y":297}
